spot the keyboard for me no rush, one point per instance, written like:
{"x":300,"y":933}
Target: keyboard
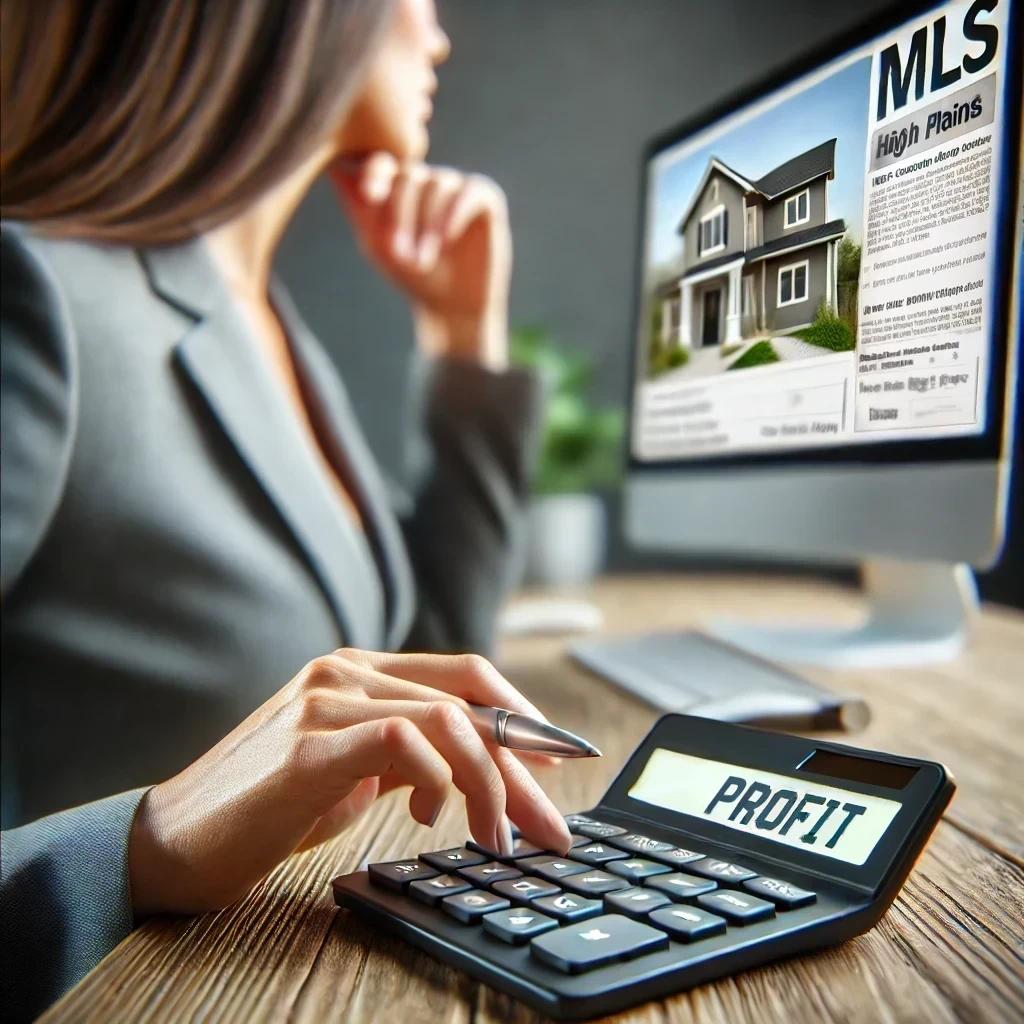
{"x":635,"y":910}
{"x":688,"y":672}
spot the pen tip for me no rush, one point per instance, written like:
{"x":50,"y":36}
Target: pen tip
{"x":594,"y":752}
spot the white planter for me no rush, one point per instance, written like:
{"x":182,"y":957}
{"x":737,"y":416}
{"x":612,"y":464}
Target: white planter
{"x":566,"y":543}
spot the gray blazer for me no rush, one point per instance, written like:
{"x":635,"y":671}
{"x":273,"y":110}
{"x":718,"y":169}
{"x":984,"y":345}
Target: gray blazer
{"x":173,"y":552}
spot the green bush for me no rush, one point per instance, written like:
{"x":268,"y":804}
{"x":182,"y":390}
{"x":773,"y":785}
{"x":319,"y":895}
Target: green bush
{"x":827,"y":331}
{"x":666,"y":357}
{"x":759,"y":354}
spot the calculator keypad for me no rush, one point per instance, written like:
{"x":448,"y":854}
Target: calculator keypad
{"x":720,"y":870}
{"x":738,"y":907}
{"x":636,"y":869}
{"x":524,"y":890}
{"x":569,"y":907}
{"x":471,"y":905}
{"x":457,"y":857}
{"x":615,"y":898}
{"x":601,"y":940}
{"x":518,"y":925}
{"x":433,"y":890}
{"x":783,"y":894}
{"x":637,"y":902}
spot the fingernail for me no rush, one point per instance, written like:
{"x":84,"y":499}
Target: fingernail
{"x":374,"y":188}
{"x":430,"y":246}
{"x":436,"y":815}
{"x":505,"y":841}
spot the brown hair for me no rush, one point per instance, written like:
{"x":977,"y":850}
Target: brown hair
{"x":151,"y":121}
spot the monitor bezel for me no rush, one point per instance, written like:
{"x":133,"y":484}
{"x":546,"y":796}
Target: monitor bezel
{"x":984,"y":446}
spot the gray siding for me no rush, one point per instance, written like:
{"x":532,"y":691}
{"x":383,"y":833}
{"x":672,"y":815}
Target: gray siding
{"x":731,"y":196}
{"x":774,"y":212}
{"x":817,"y":288}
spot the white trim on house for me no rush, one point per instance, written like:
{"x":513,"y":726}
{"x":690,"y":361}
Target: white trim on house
{"x":712,"y":272}
{"x":715,"y":212}
{"x":795,"y":200}
{"x":798,"y":247}
{"x":713,"y":165}
{"x":793,"y":268}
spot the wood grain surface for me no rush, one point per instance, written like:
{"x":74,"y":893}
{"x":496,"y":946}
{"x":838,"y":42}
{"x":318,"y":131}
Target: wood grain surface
{"x":951,"y":948}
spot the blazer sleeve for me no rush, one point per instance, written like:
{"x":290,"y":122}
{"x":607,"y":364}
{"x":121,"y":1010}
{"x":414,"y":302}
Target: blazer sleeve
{"x":64,"y":899}
{"x":471,"y":473}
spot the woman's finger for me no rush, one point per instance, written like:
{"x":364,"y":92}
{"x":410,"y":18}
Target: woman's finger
{"x":343,"y":757}
{"x":469,"y":676}
{"x":477,"y":197}
{"x":401,"y":212}
{"x":454,"y":737}
{"x":437,"y":194}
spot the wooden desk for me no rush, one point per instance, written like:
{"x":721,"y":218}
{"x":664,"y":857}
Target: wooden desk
{"x":950,"y":948}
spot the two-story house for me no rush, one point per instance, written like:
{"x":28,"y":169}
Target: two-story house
{"x":759,"y":255}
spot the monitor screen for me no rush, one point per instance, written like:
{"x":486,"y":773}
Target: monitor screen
{"x":828,"y":820}
{"x":819,"y":266}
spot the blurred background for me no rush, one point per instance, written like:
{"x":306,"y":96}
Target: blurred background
{"x":555,"y":100}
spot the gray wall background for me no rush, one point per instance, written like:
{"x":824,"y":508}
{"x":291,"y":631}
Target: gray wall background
{"x":554,"y":99}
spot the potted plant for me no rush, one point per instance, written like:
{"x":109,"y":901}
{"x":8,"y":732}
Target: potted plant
{"x":580,"y":453}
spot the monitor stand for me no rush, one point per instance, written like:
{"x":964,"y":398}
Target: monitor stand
{"x":917,"y":613}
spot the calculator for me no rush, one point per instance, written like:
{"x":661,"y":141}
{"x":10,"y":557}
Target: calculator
{"x":716,"y":849}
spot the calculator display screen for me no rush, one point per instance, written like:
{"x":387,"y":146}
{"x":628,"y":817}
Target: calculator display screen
{"x":806,"y":815}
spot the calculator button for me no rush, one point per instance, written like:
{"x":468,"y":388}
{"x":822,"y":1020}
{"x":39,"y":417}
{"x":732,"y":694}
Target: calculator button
{"x":399,"y":873}
{"x":578,"y":840}
{"x":597,"y":853}
{"x":681,"y":886}
{"x":784,"y":895}
{"x":599,"y":830}
{"x":520,"y":848}
{"x":720,"y":870}
{"x":489,"y":871}
{"x":635,"y":902}
{"x":594,"y":883}
{"x":518,"y":925}
{"x":433,"y":890}
{"x":636,"y":843}
{"x":457,"y":857}
{"x":551,"y":868}
{"x":738,"y":907}
{"x":573,"y":820}
{"x":471,"y":905}
{"x":568,"y":907}
{"x":599,"y":941}
{"x":687,"y":924}
{"x":635,"y":869}
{"x":525,"y":889}
{"x":675,"y":857}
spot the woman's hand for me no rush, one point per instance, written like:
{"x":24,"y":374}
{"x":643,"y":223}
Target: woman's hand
{"x":306,"y":764}
{"x":442,"y":237}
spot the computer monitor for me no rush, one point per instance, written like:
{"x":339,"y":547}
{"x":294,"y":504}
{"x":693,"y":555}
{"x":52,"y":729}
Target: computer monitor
{"x":828,"y":322}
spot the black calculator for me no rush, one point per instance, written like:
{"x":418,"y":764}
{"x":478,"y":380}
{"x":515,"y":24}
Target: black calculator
{"x":716,"y":849}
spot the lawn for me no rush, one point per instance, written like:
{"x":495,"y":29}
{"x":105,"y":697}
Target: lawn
{"x":759,"y":354}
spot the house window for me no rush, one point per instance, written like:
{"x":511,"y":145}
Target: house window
{"x":798,"y":209}
{"x":713,"y":232}
{"x":793,"y":283}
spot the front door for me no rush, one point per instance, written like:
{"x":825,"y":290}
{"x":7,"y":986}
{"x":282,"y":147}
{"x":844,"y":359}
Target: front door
{"x":712,"y":303}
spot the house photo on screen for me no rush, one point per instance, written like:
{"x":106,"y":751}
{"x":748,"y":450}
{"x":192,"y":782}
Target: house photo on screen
{"x":754,"y":247}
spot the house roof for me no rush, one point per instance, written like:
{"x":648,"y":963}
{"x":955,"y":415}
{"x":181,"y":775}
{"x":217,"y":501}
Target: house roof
{"x":718,"y":261}
{"x":805,"y":167}
{"x":796,"y":240}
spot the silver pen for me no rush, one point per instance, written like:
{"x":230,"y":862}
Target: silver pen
{"x":521,"y":732}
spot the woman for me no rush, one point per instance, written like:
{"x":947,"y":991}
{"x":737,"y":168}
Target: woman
{"x":190,"y":511}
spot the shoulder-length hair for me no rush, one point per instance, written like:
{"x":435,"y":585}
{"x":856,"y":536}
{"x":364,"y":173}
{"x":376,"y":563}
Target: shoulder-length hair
{"x":151,"y":121}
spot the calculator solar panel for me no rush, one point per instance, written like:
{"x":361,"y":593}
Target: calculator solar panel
{"x":717,"y":848}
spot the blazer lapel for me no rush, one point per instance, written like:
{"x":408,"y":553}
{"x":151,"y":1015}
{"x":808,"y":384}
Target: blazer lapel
{"x":221,"y":358}
{"x":352,"y":455}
